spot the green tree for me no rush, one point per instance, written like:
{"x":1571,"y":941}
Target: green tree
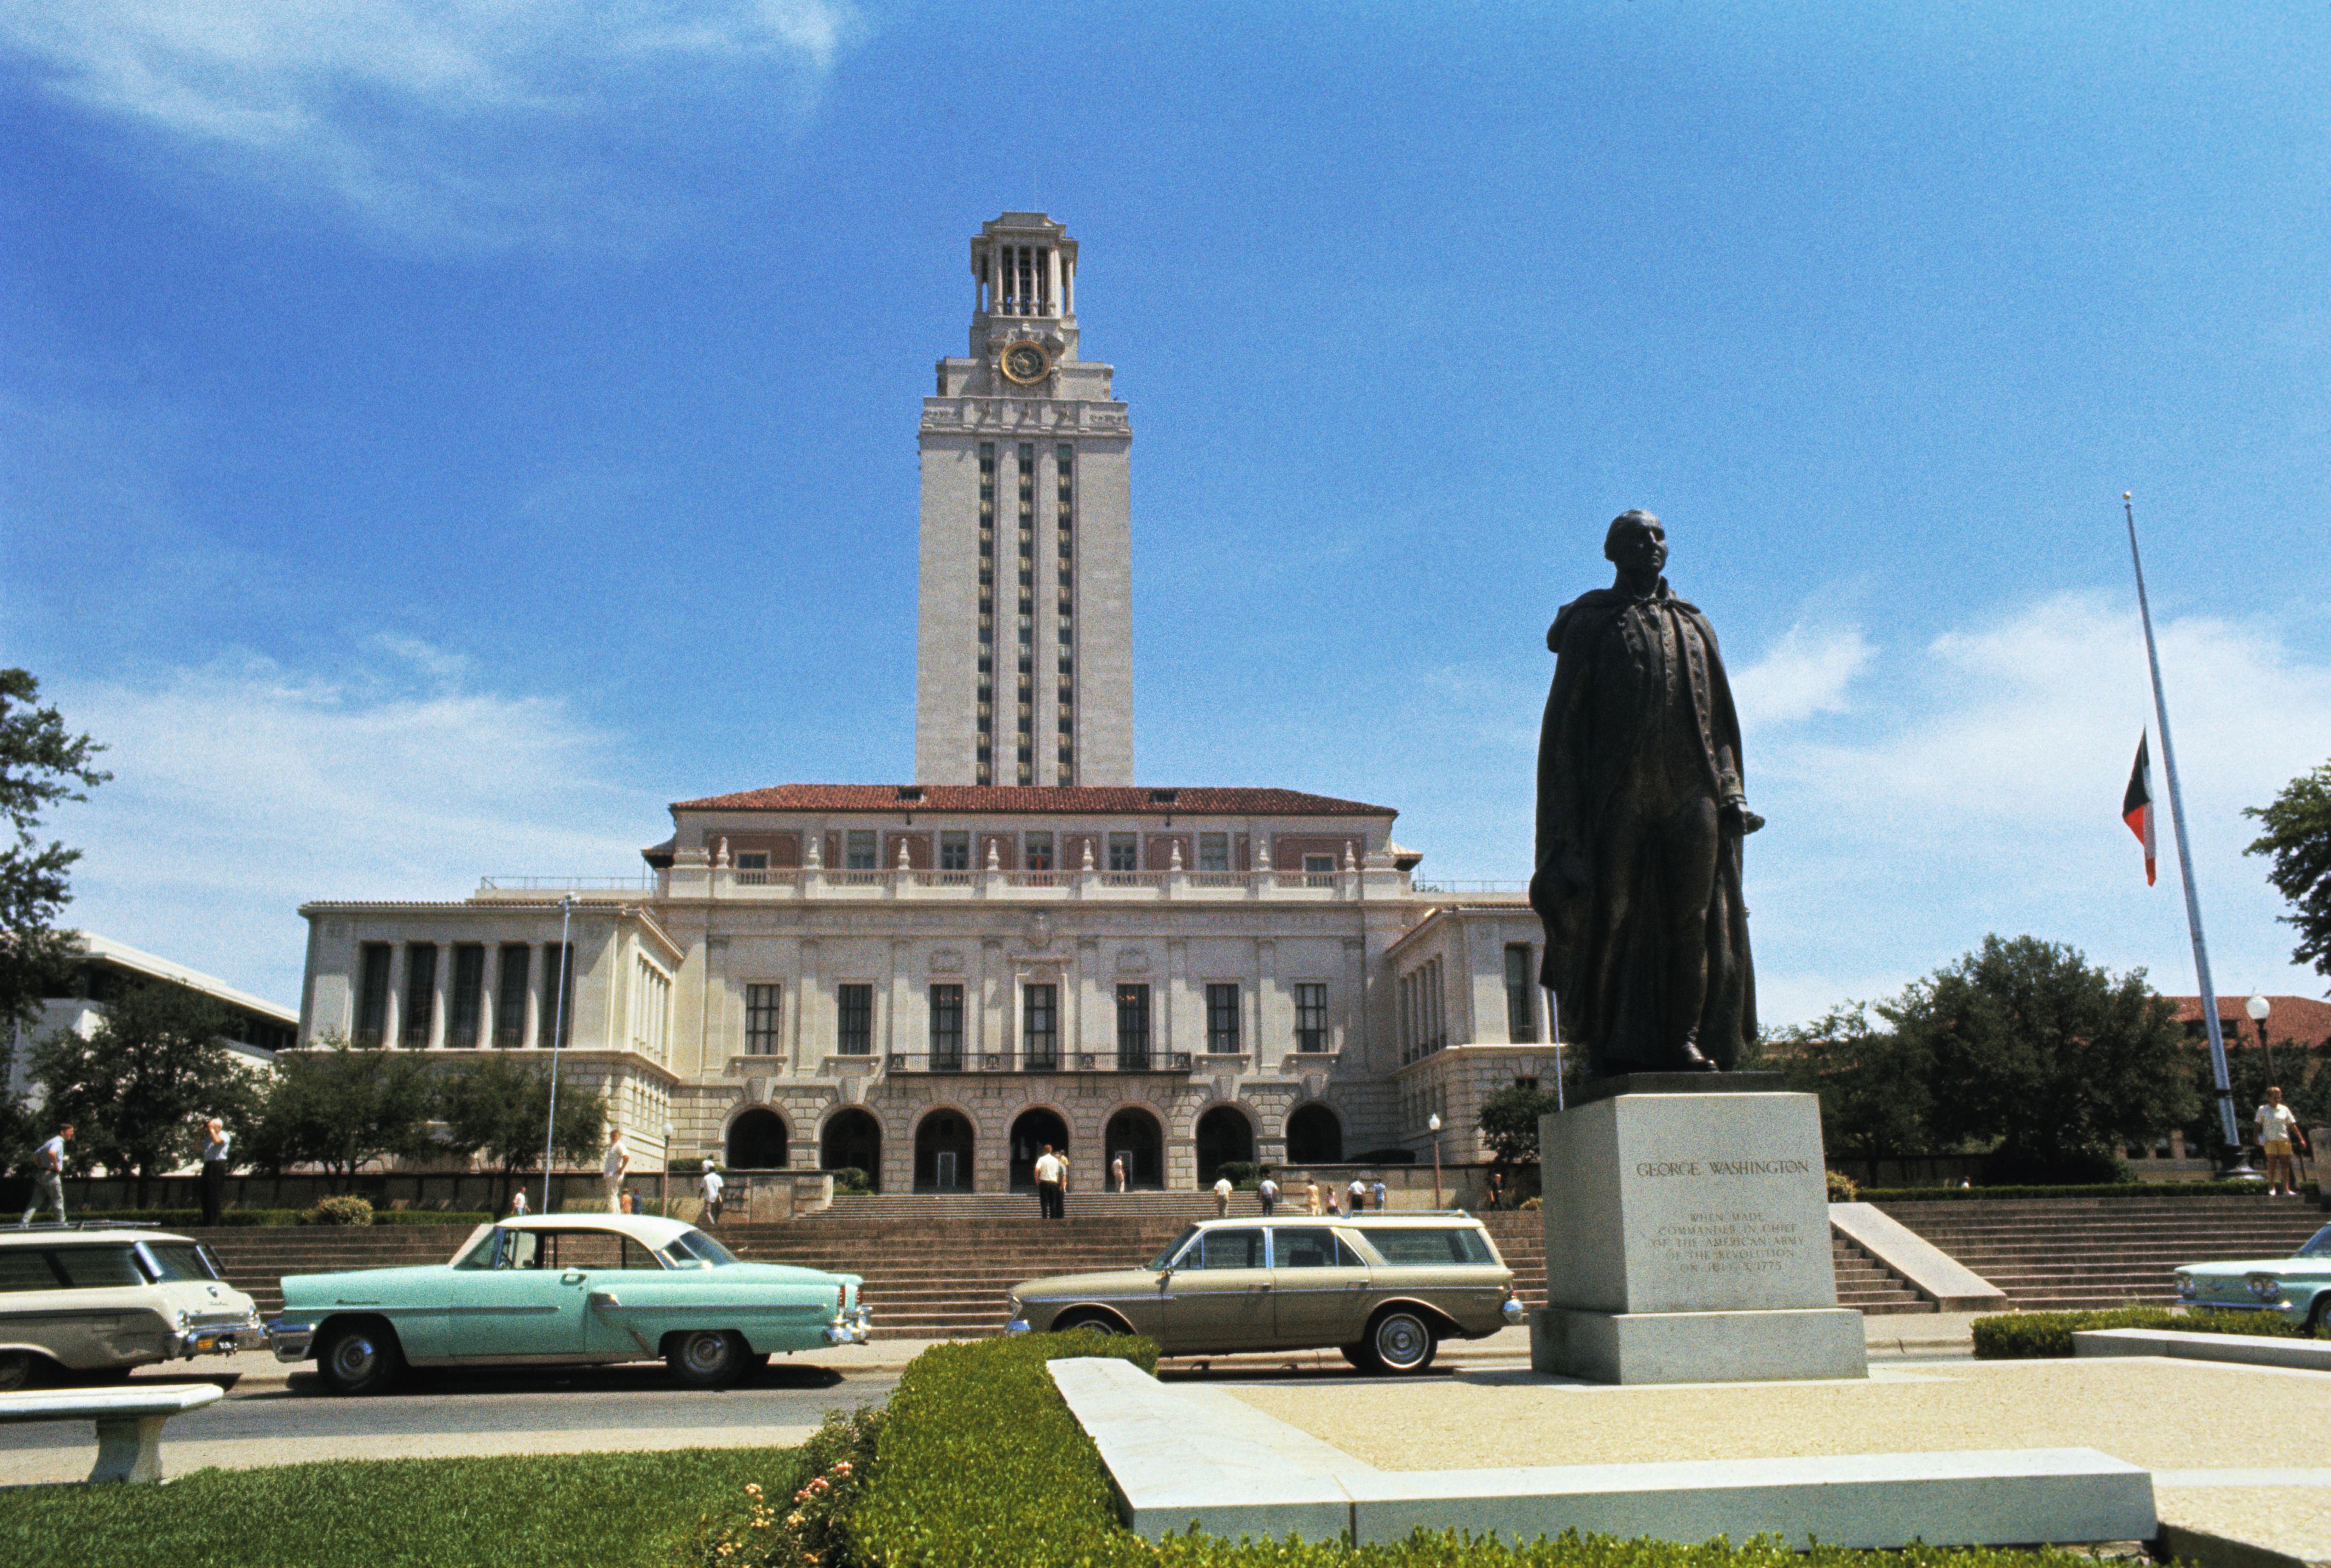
{"x":40,"y":765}
{"x":499,"y":1105}
{"x":341,"y":1105}
{"x":136,"y":1092}
{"x":1510,"y":1122}
{"x":1873,"y":1080}
{"x":2298,"y":845}
{"x":2051,"y":1063}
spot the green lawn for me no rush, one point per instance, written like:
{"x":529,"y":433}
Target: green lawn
{"x":603,"y":1510}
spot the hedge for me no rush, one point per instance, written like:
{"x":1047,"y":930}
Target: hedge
{"x":2113,"y":1190}
{"x":979,"y":1462}
{"x":2030,"y":1336}
{"x":192,"y":1218}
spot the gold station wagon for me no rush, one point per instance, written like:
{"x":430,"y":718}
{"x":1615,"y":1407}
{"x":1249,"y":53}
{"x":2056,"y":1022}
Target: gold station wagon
{"x":1384,"y":1288}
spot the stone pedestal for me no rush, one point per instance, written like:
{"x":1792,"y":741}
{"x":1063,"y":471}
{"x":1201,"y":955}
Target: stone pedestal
{"x":1687,"y":1241}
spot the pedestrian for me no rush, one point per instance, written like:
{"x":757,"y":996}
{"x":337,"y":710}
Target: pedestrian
{"x":712,"y":1185}
{"x":1358,"y":1195}
{"x":1379,"y":1191}
{"x":215,"y":1162}
{"x":1311,"y":1202}
{"x":517,"y":1204}
{"x":1048,"y":1185}
{"x":614,"y":1167}
{"x":1269,"y":1192}
{"x":2278,"y":1129}
{"x":1223,"y":1190}
{"x":49,"y":1177}
{"x":1496,"y":1190}
{"x":1117,"y":1172}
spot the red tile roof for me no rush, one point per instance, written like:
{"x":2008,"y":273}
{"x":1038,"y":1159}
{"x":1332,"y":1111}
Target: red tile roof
{"x":1084,"y":800}
{"x":2300,"y":1018}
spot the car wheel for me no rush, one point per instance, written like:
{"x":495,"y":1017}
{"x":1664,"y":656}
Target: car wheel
{"x":360,"y":1358}
{"x":1402,"y":1341}
{"x":710,"y":1358}
{"x":2318,"y":1315}
{"x":16,"y":1369}
{"x":1091,"y":1323}
{"x":1359,"y":1354}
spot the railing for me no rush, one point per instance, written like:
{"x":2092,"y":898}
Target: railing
{"x":811,"y":881}
{"x":645,"y":882}
{"x":970,"y":1062}
{"x":1445,"y":886}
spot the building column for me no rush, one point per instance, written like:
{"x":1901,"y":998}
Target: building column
{"x":1269,"y":1046}
{"x":392,"y":1017}
{"x":439,"y":991}
{"x":804,"y":1022}
{"x":489,"y":982}
{"x":1176,"y":998}
{"x":993,"y":1030}
{"x":894,"y":1010}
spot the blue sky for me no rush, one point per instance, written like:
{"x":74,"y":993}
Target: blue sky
{"x":436,"y":436}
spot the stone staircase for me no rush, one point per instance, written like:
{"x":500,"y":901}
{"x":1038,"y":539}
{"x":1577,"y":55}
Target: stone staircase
{"x":2067,"y":1254}
{"x":255,"y":1257}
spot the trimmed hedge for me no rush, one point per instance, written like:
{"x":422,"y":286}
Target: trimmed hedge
{"x":2114,"y":1190}
{"x":192,"y":1218}
{"x":979,"y":1462}
{"x":2033,"y":1335}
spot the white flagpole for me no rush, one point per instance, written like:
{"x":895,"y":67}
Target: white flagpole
{"x":2184,"y":853}
{"x":557,"y":1039}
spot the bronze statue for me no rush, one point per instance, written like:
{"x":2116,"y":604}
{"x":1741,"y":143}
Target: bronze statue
{"x":1640,"y":814}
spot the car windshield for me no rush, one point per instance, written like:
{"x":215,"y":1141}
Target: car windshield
{"x":2319,"y":1245}
{"x":180,"y":1261}
{"x":1175,"y":1245}
{"x":693,"y":1248}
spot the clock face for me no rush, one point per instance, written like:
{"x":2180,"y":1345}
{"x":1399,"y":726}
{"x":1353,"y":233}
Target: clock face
{"x":1024,"y":363}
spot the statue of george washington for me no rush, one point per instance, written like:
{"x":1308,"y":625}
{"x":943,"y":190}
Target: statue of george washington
{"x":1641,"y":815}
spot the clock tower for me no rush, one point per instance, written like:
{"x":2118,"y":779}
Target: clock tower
{"x":1024,"y":656}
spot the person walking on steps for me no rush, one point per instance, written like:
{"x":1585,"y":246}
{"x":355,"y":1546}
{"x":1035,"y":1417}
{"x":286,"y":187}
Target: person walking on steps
{"x":49,"y":1177}
{"x":1222,"y":1191}
{"x":614,"y":1168}
{"x":712,"y":1185}
{"x":1049,"y":1172}
{"x":1117,"y":1172}
{"x":1268,"y":1191}
{"x":216,"y":1142}
{"x":2277,"y":1131}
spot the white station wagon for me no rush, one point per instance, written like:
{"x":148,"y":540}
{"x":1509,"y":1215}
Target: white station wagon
{"x":88,"y":1304}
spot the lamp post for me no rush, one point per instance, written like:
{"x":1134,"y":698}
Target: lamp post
{"x":1434,"y":1122}
{"x":560,"y":979}
{"x":2258,"y":1007}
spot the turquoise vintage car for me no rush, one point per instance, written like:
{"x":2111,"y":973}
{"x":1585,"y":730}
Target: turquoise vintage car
{"x":2297,"y":1287}
{"x":567,"y":1288}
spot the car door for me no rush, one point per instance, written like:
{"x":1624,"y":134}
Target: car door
{"x":620,"y":1296}
{"x":1219,"y":1297}
{"x":524,"y":1305}
{"x":1319,"y":1287}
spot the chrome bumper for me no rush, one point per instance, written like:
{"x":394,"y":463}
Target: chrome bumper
{"x":1513,"y":1311}
{"x":216,"y":1338}
{"x":290,"y":1340}
{"x":1017,"y":1326}
{"x":854,"y":1329}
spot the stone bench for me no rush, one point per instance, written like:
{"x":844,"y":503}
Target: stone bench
{"x":128,"y":1420}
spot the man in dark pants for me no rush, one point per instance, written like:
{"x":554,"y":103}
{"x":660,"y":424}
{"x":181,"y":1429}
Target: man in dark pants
{"x":1049,"y":1172}
{"x":215,"y":1163}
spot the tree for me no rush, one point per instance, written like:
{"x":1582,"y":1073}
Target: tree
{"x":2051,"y":1063}
{"x":2297,"y":845}
{"x":1510,"y":1122}
{"x":138,"y":1090}
{"x":498,"y":1106}
{"x":40,"y":765}
{"x":342,"y":1104}
{"x":1875,"y":1102}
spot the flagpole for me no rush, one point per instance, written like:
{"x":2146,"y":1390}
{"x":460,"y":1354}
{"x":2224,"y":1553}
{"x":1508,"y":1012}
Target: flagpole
{"x":2184,"y":853}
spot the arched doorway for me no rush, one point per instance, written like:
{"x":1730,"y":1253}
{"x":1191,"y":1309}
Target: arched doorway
{"x":1224,"y":1136}
{"x":1314,"y":1136}
{"x":852,"y":1141}
{"x":1030,"y":1134}
{"x":1134,"y":1137}
{"x":756,"y":1140}
{"x":943,"y":1152}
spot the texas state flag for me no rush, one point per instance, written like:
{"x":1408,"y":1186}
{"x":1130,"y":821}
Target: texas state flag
{"x":2136,"y":805}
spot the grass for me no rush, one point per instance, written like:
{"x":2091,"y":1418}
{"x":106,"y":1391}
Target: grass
{"x":547,"y":1511}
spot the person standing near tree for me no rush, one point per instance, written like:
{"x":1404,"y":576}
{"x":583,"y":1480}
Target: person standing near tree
{"x":216,"y":1142}
{"x":614,"y":1167}
{"x":49,"y":1177}
{"x":2278,"y":1129}
{"x":712,"y":1185}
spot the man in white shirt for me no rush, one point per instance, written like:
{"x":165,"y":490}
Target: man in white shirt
{"x":614,"y":1168}
{"x":216,"y":1143}
{"x":1048,"y":1185}
{"x":1356,"y":1195}
{"x":2278,"y":1129}
{"x":1268,"y":1191}
{"x":48,"y":1178}
{"x":713,"y":1186}
{"x":1222,"y":1191}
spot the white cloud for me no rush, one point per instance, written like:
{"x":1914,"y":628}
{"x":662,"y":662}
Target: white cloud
{"x":432,"y":119}
{"x":241,"y":789}
{"x":1806,"y":674}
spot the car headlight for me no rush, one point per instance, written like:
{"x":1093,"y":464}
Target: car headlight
{"x":2264,"y":1286}
{"x":2185,"y":1288}
{"x":183,"y":1319}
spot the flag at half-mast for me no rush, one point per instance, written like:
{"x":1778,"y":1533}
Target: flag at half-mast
{"x":2136,"y":806}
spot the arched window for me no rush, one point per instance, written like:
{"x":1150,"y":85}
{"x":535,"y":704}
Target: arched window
{"x":1314,"y":1136}
{"x":1134,"y":1136}
{"x":1225,"y":1136}
{"x":943,"y":1152}
{"x":852,"y":1141}
{"x":756,"y":1140}
{"x":1030,"y":1134}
